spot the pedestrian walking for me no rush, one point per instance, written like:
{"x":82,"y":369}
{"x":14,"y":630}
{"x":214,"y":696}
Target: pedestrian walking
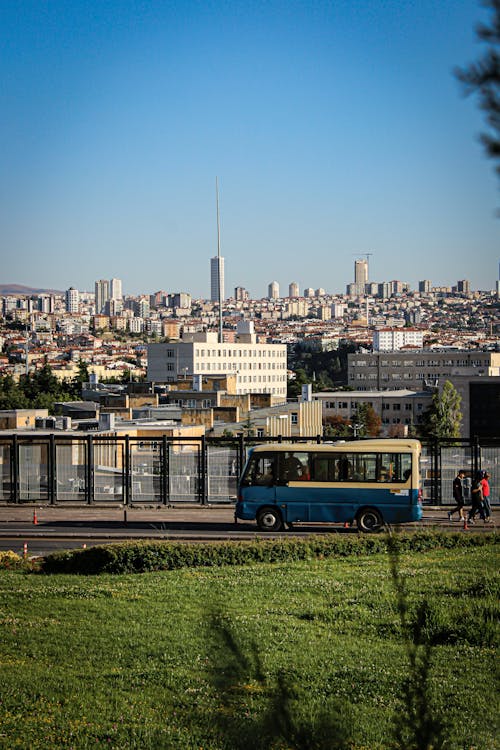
{"x":458,"y":496}
{"x":485,"y":486}
{"x":476,"y":498}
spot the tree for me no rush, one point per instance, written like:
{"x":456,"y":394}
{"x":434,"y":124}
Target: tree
{"x":443,"y":417}
{"x":483,"y":78}
{"x":369,"y":421}
{"x":336,"y":426}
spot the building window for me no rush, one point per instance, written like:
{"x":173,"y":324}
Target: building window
{"x":294,"y":417}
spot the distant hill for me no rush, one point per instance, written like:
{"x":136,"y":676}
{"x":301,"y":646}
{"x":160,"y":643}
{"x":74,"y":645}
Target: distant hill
{"x":20,"y":289}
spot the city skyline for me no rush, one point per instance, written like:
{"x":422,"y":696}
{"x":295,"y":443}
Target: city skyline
{"x":336,"y":130}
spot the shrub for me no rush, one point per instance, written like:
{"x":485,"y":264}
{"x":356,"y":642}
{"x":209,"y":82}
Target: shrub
{"x":143,"y":556}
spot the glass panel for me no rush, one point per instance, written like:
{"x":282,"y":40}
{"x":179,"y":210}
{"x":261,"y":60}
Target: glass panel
{"x":145,"y":467}
{"x":5,"y":478}
{"x":109,"y":471}
{"x":33,"y":472}
{"x":184,"y":472}
{"x":70,"y":471}
{"x":222,"y":474}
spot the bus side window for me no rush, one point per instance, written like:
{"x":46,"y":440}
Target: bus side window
{"x":262,"y":472}
{"x":344,"y":468}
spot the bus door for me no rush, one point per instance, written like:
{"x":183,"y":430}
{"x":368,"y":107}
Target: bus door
{"x":293,"y":493}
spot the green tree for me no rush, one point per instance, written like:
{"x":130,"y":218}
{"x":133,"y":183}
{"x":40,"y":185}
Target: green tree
{"x":443,"y":417}
{"x":483,"y":78}
{"x":368,"y":420}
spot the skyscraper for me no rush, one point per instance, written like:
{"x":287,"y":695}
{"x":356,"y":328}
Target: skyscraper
{"x":101,"y":295}
{"x":72,"y":300}
{"x":216,"y":277}
{"x":293,"y":289}
{"x":360,"y":271}
{"x":273,"y":290}
{"x":115,"y":289}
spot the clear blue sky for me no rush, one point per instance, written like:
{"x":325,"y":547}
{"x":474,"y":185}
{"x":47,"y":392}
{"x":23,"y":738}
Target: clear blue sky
{"x":335,"y":128}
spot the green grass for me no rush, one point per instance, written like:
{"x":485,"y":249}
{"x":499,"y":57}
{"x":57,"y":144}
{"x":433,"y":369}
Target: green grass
{"x":292,"y":655}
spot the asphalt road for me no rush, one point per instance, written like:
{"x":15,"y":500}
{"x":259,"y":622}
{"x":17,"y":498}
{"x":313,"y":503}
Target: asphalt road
{"x":45,"y":529}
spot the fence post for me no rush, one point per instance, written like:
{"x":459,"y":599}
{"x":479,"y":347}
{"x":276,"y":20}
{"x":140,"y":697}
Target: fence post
{"x":15,"y":470}
{"x":89,"y":474}
{"x":164,"y":470}
{"x":51,"y":470}
{"x":202,"y":471}
{"x":128,"y":479}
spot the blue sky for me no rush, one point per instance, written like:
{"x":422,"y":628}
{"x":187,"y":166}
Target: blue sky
{"x":335,"y":129}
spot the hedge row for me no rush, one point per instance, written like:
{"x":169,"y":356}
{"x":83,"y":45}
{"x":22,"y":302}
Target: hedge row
{"x":143,"y":556}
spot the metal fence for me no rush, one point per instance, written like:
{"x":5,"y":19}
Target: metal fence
{"x":56,"y":469}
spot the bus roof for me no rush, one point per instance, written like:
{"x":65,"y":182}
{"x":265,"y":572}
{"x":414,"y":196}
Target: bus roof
{"x":382,"y":445}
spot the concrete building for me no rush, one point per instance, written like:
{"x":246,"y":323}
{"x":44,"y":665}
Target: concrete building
{"x":398,"y":410}
{"x":360,"y":271}
{"x":273,"y":290}
{"x":101,"y":295}
{"x":293,"y":289}
{"x":416,"y":370}
{"x":259,"y":368}
{"x":72,"y":300}
{"x":115,"y":289}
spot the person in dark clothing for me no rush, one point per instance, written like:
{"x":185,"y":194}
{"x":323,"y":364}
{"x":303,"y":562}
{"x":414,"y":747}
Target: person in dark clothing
{"x":458,"y":496}
{"x":477,"y":498}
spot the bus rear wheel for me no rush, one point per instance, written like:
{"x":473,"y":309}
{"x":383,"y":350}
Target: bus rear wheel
{"x":269,"y":519}
{"x":369,"y":520}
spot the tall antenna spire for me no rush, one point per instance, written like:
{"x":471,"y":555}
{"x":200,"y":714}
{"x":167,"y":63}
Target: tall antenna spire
{"x":218,"y":261}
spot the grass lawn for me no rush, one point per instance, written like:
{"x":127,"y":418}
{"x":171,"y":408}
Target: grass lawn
{"x":299,"y":655}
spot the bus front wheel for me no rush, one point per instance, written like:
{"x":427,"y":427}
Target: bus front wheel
{"x":369,"y":520}
{"x":269,"y":519}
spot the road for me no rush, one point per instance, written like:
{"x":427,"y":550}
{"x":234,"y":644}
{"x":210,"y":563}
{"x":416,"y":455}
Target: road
{"x":45,"y":529}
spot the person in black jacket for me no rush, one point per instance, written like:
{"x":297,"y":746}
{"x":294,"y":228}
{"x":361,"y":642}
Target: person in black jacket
{"x":458,"y":496}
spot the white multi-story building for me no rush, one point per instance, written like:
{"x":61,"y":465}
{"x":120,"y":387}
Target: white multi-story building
{"x":273,"y":290}
{"x":293,"y":289}
{"x":72,"y":300}
{"x":393,"y":339}
{"x":115,"y":289}
{"x":259,"y":368}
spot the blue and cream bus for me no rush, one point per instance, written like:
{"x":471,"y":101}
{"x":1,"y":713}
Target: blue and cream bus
{"x":367,"y":482}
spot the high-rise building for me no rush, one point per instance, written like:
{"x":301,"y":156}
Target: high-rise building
{"x":360,"y":271}
{"x":308,"y":292}
{"x":240,"y":294}
{"x":424,"y":286}
{"x":293,"y":289}
{"x":463,"y":286}
{"x":273,"y":290}
{"x":115,"y":289}
{"x":101,"y":295}
{"x":72,"y":300}
{"x":216,"y":278}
